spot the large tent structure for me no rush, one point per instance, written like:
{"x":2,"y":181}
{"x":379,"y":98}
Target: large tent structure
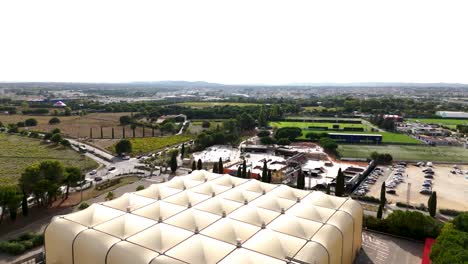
{"x":209,"y":218}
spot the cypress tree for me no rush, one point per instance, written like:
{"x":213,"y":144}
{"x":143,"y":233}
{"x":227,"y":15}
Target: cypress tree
{"x":239,"y":172}
{"x":265,"y":172}
{"x":328,"y":189}
{"x":199,"y":164}
{"x":432,"y":204}
{"x":152,"y":131}
{"x":182,"y":151}
{"x":24,"y":205}
{"x":123,"y":131}
{"x":174,"y":162}
{"x":143,"y":131}
{"x":383,"y":200}
{"x":194,"y":165}
{"x":249,"y":175}
{"x":269,"y":176}
{"x":221,"y":166}
{"x":215,"y":167}
{"x":340,"y":184}
{"x":90,"y":132}
{"x":300,"y":180}
{"x":112,"y":133}
{"x":102,"y":133}
{"x":380,"y":212}
{"x":244,"y":170}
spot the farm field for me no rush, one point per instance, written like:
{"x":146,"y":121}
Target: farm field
{"x":387,"y":137}
{"x":19,"y":152}
{"x":75,"y":126}
{"x":211,"y":104}
{"x":451,"y":123}
{"x":196,"y":126}
{"x":145,"y":145}
{"x":407,"y":152}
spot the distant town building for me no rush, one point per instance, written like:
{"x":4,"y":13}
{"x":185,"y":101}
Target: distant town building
{"x":450,"y":114}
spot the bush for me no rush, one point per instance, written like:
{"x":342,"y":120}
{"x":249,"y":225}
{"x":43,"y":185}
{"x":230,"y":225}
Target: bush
{"x":404,"y":205}
{"x":451,"y":246}
{"x":450,"y":212}
{"x":283,"y":141}
{"x":267,"y":140}
{"x":409,"y":224}
{"x":328,"y":144}
{"x":83,"y":206}
{"x":38,"y":240}
{"x":34,"y":134}
{"x":12,"y":248}
{"x":30,"y":122}
{"x":54,"y":121}
{"x":140,"y":187}
{"x":56,"y":131}
{"x":263,"y":133}
{"x":460,"y":222}
{"x":288,"y":132}
{"x":364,"y":198}
{"x":20,"y":124}
{"x":206,"y":124}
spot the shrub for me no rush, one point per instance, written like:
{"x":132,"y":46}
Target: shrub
{"x":450,"y":212}
{"x":206,"y":124}
{"x":267,"y":140}
{"x":83,"y":206}
{"x":34,"y":134}
{"x":54,"y":121}
{"x":263,"y":133}
{"x":451,"y":246}
{"x":12,"y":248}
{"x":140,"y":187}
{"x":20,"y":124}
{"x":288,"y":132}
{"x":364,"y":198}
{"x":404,"y":205}
{"x":38,"y":240}
{"x":283,"y":141}
{"x":30,"y":122}
{"x":460,"y":222}
{"x":56,"y":131}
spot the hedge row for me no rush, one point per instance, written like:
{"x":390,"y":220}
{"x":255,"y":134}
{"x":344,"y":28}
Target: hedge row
{"x":22,"y":243}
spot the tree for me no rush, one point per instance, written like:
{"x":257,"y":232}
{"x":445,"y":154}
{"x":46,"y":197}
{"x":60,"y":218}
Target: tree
{"x":30,"y":122}
{"x":262,"y":118}
{"x":194,"y":165}
{"x":269,"y":176}
{"x":199,"y":164}
{"x":125,"y":120}
{"x":90,"y":132}
{"x":383,"y":200}
{"x":239,"y":172}
{"x":340,"y":184}
{"x":109,"y":196}
{"x":173,"y":162}
{"x":432,"y":204}
{"x":246,"y":122}
{"x":112,"y":133}
{"x":168,"y":127}
{"x":56,"y":131}
{"x":9,"y":199}
{"x":24,"y":205}
{"x":328,"y":189}
{"x":68,"y":111}
{"x":182,"y":151}
{"x":265,"y":172}
{"x":42,"y":180}
{"x":65,"y":143}
{"x":123,"y":146}
{"x":215,"y":167}
{"x":283,"y":141}
{"x":72,"y":176}
{"x":267,"y":140}
{"x":54,"y":121}
{"x":133,"y":127}
{"x":83,"y":206}
{"x":249,"y":175}
{"x":290,"y":133}
{"x":56,"y":138}
{"x":221,"y":166}
{"x":244,"y":170}
{"x":380,"y":212}
{"x":263,"y":133}
{"x":140,"y":187}
{"x":300,"y":180}
{"x":328,"y":144}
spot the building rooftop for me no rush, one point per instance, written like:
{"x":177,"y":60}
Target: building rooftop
{"x":209,"y":218}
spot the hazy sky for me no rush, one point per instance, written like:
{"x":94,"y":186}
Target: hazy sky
{"x":234,"y":41}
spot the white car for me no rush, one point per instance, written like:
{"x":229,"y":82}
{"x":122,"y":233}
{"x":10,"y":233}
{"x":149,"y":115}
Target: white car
{"x":93,"y":172}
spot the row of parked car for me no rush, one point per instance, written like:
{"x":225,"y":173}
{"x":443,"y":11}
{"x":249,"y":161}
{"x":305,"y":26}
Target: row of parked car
{"x":371,"y":179}
{"x":426,"y":187}
{"x":397,"y":177}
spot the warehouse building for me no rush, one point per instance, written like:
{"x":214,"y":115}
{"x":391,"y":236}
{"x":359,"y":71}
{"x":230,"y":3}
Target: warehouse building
{"x":209,"y":218}
{"x":356,"y":138}
{"x":451,"y":114}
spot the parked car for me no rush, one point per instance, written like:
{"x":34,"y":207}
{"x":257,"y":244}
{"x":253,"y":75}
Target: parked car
{"x":391,"y":191}
{"x":97,"y":179}
{"x":428,"y":176}
{"x":93,"y":172}
{"x":425,"y":191}
{"x":426,"y":184}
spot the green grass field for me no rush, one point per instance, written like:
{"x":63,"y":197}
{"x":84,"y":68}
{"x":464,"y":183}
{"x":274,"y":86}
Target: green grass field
{"x":387,"y":137}
{"x":407,"y":152}
{"x":16,"y":153}
{"x":451,"y":123}
{"x":212,"y":104}
{"x":145,"y":145}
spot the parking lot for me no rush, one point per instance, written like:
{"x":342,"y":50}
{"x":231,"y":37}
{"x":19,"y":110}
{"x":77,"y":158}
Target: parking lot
{"x":452,"y":188}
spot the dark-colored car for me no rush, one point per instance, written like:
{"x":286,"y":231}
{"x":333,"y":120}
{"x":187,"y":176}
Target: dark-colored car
{"x":97,"y":179}
{"x":391,"y":191}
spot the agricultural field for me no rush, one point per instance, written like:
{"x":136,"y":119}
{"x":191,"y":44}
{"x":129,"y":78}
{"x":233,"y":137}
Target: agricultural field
{"x":196,"y":126}
{"x":76,"y":126}
{"x":407,"y":152}
{"x":451,"y":123}
{"x":19,"y":152}
{"x":145,"y":145}
{"x":212,"y":104}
